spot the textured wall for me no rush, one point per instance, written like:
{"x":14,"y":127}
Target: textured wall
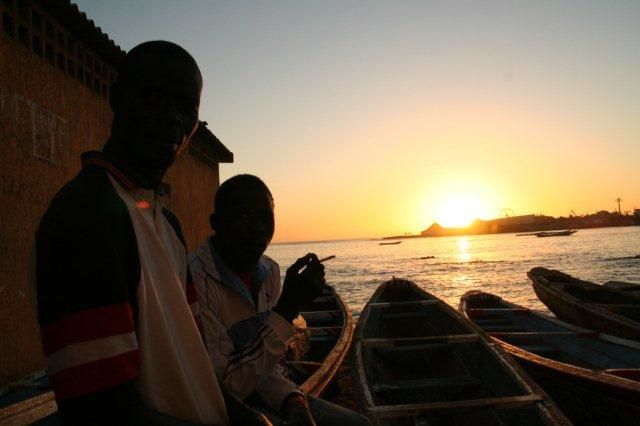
{"x":47,"y":120}
{"x":193,"y":186}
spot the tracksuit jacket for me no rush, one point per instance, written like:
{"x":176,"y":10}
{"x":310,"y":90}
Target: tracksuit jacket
{"x":117,"y":307}
{"x":245,"y":342}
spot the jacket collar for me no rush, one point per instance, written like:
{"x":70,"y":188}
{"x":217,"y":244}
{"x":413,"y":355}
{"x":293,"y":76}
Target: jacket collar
{"x":95,"y":158}
{"x":216,"y":267}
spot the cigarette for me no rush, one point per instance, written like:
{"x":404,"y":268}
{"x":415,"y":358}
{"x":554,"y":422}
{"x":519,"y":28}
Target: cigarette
{"x":324,"y":259}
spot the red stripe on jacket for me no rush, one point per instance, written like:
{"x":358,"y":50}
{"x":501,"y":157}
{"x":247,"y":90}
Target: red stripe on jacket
{"x":191,"y":294}
{"x":85,"y":325}
{"x":93,"y":376}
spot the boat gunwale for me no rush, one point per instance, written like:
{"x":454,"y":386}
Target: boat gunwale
{"x":316,"y":384}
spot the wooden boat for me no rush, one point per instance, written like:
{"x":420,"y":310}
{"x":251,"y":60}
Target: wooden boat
{"x":418,"y":361}
{"x":588,"y":304}
{"x":390,"y":243}
{"x":566,"y":233}
{"x":329,"y":324}
{"x":28,"y":401}
{"x":593,"y":377}
{"x":633,"y":288}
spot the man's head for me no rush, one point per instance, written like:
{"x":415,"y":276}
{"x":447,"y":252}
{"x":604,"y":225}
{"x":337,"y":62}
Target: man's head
{"x":155,"y":101}
{"x":243,"y":221}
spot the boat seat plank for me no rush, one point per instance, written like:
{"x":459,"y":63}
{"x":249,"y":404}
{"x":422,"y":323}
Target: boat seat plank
{"x":408,"y":341}
{"x":412,"y":348}
{"x":502,"y":327}
{"x":29,"y":411}
{"x":407,"y":303}
{"x":407,"y":315}
{"x":413,"y":410}
{"x":497,"y":310}
{"x":492,"y":321}
{"x":432,"y":383}
{"x":525,"y":334}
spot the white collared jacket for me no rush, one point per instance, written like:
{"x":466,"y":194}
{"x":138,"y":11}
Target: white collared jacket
{"x":245,"y":342}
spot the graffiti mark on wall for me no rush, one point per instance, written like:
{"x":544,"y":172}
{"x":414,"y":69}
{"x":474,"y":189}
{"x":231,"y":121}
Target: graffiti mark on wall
{"x":33,"y":129}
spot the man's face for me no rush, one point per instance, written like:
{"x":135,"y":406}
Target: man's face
{"x":157,"y":109}
{"x":244,"y":227}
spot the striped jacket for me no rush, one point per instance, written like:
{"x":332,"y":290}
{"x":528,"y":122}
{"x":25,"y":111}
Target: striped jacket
{"x":116,"y":305}
{"x":245,"y":342}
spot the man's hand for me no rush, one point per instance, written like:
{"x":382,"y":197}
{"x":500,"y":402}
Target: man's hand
{"x":303,"y":282}
{"x":298,"y":412}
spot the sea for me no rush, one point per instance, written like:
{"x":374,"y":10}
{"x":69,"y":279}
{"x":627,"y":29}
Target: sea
{"x":450,"y":266}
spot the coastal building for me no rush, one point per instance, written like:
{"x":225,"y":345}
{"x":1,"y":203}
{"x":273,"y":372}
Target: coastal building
{"x":56,"y":67}
{"x":493,"y":226}
{"x":511,"y":223}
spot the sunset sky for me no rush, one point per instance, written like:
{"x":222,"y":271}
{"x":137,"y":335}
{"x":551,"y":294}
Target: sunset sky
{"x":371,"y":118}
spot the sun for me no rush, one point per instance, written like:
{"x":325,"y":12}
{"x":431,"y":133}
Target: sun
{"x":459,"y":210}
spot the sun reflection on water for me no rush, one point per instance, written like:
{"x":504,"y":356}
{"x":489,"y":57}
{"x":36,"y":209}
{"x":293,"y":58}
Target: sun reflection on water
{"x":463,"y":249}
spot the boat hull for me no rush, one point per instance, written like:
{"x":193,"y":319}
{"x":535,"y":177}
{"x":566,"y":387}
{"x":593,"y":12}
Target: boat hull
{"x":587,"y":304}
{"x":329,"y":324}
{"x":586,"y":396}
{"x":418,"y":360}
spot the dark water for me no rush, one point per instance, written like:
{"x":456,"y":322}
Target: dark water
{"x":493,"y":263}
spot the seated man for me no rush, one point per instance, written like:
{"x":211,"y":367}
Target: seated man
{"x":246,"y":313}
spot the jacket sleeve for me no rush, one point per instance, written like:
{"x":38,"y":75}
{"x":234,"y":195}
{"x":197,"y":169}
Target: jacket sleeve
{"x":86,"y":277}
{"x":248,"y":368}
{"x":241,"y":371}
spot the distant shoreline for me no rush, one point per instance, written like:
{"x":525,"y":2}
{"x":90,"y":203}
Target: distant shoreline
{"x":470,"y":232}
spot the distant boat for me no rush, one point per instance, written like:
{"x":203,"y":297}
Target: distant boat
{"x":572,"y":364}
{"x":390,"y":243}
{"x":419,"y":361}
{"x":588,"y":304}
{"x":556,"y":233}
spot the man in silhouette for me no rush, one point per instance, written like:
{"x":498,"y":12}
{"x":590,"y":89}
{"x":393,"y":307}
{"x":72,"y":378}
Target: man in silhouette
{"x":116,"y":303}
{"x":246,"y":312}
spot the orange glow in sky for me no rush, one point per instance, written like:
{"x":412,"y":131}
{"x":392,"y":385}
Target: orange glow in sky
{"x":380,"y":120}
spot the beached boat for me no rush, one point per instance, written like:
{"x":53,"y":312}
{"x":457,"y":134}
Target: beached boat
{"x":419,"y":361}
{"x":329,"y":324}
{"x":593,"y":377}
{"x":588,"y":304}
{"x":390,"y":243}
{"x":566,"y":233}
{"x":28,"y":401}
